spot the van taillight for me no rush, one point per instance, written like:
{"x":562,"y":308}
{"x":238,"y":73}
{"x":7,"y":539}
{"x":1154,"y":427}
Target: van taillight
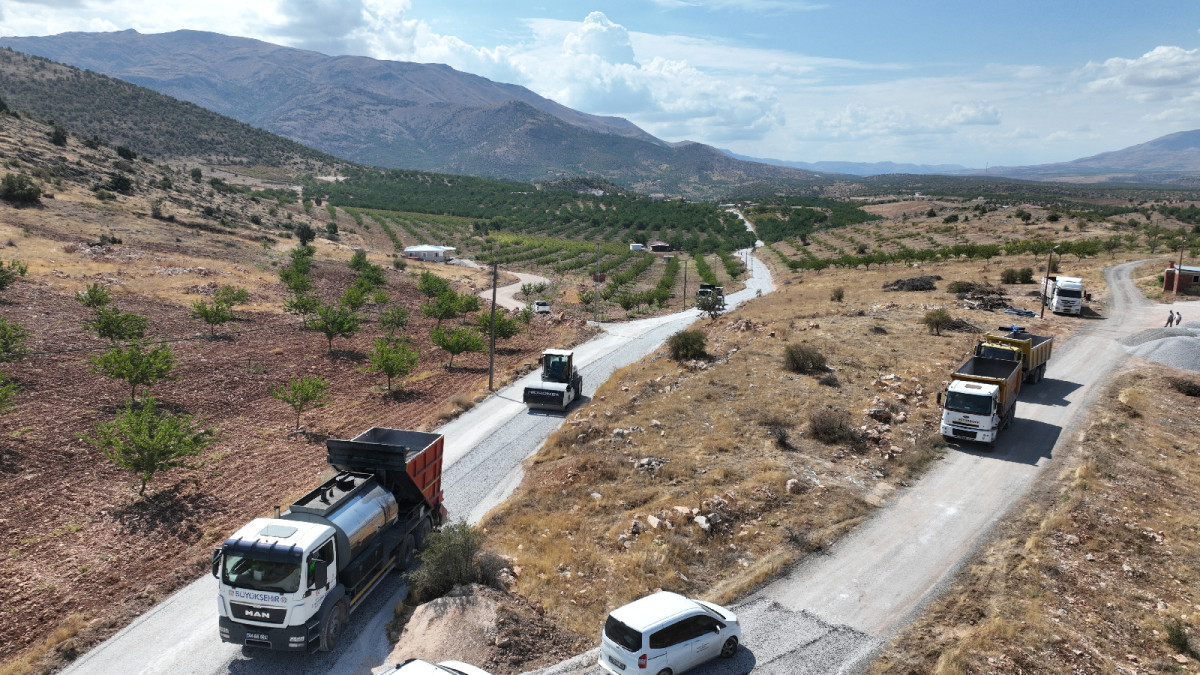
{"x":642,"y":661}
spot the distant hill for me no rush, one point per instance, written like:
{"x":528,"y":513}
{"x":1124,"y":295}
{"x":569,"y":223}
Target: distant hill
{"x":1173,"y":159}
{"x":149,"y":123}
{"x":403,"y":115}
{"x":860,"y":168}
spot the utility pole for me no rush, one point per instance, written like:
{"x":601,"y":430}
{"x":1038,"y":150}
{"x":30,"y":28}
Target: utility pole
{"x":492,"y":354}
{"x":685,"y":295}
{"x":1045,"y":281}
{"x":596,"y":288}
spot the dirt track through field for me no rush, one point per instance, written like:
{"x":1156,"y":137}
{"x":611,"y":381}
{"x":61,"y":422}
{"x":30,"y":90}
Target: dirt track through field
{"x":833,"y":612}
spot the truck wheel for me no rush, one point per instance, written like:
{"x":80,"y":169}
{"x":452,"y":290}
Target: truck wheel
{"x":422,"y":532}
{"x":331,"y":630}
{"x":408,"y":551}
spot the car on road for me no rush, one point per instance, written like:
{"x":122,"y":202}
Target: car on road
{"x":540,"y":307}
{"x":667,"y":634}
{"x":419,"y":667}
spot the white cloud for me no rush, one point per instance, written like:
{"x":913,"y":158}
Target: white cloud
{"x":744,"y":5}
{"x":974,"y":113}
{"x":1166,"y":69}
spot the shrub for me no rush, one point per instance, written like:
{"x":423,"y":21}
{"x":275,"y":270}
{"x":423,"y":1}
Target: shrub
{"x":305,"y":233}
{"x":838,"y":294}
{"x":1025,"y":275}
{"x":960,"y":287}
{"x":1010,"y":276}
{"x":449,"y":560}
{"x":19,"y":189}
{"x":936,"y":320}
{"x":832,"y":426}
{"x":1185,"y":386}
{"x":686,"y":345}
{"x":829,"y":380}
{"x":58,"y":135}
{"x":803,"y":359}
{"x":12,"y":340}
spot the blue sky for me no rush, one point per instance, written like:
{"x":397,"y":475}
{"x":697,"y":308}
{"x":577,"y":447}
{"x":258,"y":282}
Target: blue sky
{"x":933,"y":82}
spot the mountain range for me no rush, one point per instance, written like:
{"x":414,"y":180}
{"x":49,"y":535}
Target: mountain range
{"x":403,"y":115}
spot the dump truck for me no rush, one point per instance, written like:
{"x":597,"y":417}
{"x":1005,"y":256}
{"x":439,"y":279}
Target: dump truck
{"x":1063,"y":295}
{"x":712,"y":290}
{"x":291,"y":581}
{"x":981,"y":399}
{"x":1033,"y":351}
{"x":561,"y":382}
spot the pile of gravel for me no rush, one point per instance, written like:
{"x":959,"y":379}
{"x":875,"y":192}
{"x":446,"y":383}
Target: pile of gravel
{"x":1177,"y":347}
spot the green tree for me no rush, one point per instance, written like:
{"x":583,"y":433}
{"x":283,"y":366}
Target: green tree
{"x":393,"y":358}
{"x":112,"y":324}
{"x":457,"y":341}
{"x":197,"y":174}
{"x":135,"y":364}
{"x":94,"y":296}
{"x":8,"y":392}
{"x":937,"y":320}
{"x":214,"y":315}
{"x":354,"y":297}
{"x":710,"y":305}
{"x":58,"y":136}
{"x":230,"y":296}
{"x":394,"y":320}
{"x":303,"y":392}
{"x":146,"y":441}
{"x":506,"y":326}
{"x":469,"y":302}
{"x":301,"y":304}
{"x":444,"y":306}
{"x":335,"y":321}
{"x":19,"y":189}
{"x":305,"y":233}
{"x":12,"y":340}
{"x":431,"y":285}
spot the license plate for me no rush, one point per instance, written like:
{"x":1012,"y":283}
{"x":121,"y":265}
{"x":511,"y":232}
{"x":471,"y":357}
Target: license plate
{"x":256,"y":636}
{"x":613,"y":660}
{"x":965,"y":434}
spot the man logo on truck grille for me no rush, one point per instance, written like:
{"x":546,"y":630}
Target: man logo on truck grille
{"x":264,"y":614}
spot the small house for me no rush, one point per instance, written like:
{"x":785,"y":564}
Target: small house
{"x":636,"y":247}
{"x":429,"y":252}
{"x":1180,"y":279}
{"x":659,"y":246}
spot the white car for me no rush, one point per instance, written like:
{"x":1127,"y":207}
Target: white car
{"x":419,"y":667}
{"x":667,"y":634}
{"x":540,"y":307}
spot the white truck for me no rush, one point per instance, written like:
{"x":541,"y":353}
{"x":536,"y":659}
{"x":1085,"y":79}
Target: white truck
{"x":1063,"y":295}
{"x":290,"y":582}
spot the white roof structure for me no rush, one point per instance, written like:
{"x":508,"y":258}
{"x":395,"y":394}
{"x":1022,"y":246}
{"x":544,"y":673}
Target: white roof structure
{"x":428,"y":248}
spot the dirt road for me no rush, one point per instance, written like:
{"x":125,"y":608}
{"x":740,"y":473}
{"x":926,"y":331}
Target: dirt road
{"x":834,"y":612}
{"x":506,"y":295}
{"x":484,"y":449}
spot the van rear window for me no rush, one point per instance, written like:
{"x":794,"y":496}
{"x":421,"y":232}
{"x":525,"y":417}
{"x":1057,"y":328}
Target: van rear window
{"x":628,"y":638}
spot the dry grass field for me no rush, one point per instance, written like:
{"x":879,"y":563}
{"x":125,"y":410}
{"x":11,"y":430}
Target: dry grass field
{"x":607,"y":510}
{"x":1097,"y":572}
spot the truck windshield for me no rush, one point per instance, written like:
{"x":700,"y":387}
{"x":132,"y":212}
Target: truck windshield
{"x":971,"y":404}
{"x":1069,"y":293}
{"x":245,"y":571}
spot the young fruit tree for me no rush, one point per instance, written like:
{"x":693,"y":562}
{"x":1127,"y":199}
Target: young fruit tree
{"x":112,"y":324}
{"x":335,"y":321}
{"x":12,"y":340}
{"x":393,"y":358}
{"x":135,"y":364}
{"x":145,"y":441}
{"x":302,"y":393}
{"x":457,"y":341}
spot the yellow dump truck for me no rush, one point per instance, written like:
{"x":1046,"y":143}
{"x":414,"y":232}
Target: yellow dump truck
{"x":981,"y":399}
{"x":1033,"y":351}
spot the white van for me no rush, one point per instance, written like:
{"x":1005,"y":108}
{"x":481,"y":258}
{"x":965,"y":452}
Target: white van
{"x":667,"y":634}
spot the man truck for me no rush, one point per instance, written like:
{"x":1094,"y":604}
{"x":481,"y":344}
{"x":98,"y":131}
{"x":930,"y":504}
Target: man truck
{"x":561,"y":382}
{"x":290,"y":582}
{"x":981,"y":399}
{"x":1033,"y":351}
{"x":712,"y":291}
{"x":1063,"y":295}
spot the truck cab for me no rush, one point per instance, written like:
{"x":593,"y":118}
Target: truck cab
{"x":1064,"y":295}
{"x":971,"y":411}
{"x":274,"y":579}
{"x":712,"y":291}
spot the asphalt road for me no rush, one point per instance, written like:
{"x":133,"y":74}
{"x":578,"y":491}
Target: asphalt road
{"x":832,"y":613}
{"x":484,"y":449}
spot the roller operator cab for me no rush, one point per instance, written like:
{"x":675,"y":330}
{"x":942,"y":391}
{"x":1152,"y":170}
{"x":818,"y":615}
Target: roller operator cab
{"x":561,"y":383}
{"x":290,"y":582}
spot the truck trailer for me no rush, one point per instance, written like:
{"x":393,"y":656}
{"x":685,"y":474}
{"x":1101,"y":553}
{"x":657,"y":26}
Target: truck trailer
{"x":1033,"y":351}
{"x":290,"y":582}
{"x":1063,"y":295}
{"x":981,"y":399}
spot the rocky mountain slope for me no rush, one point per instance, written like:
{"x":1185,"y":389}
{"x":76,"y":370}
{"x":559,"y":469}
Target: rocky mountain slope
{"x":402,"y":115}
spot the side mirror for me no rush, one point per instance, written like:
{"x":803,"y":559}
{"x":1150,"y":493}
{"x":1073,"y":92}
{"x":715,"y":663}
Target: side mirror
{"x":939,"y":398}
{"x":320,"y":574}
{"x":216,"y":562}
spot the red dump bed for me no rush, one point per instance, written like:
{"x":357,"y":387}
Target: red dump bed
{"x":409,"y":463}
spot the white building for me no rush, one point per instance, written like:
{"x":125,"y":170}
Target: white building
{"x":429,"y":252}
{"x":636,"y":247}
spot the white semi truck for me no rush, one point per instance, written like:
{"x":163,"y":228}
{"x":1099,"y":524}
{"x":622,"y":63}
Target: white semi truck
{"x":290,"y":582}
{"x":1063,"y":295}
